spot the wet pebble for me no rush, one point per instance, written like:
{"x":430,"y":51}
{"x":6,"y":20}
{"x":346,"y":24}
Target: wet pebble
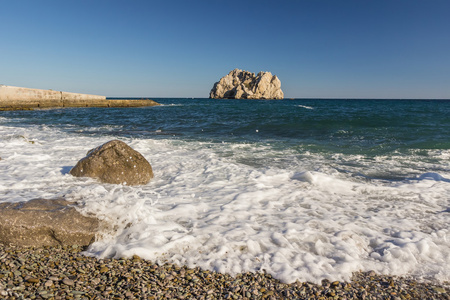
{"x":68,"y":281}
{"x":64,"y":273}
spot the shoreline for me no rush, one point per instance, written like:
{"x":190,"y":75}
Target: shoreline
{"x":42,"y":159}
{"x":64,"y":273}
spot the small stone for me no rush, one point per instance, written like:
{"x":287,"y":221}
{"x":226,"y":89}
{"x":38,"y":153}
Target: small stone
{"x":32,"y":280}
{"x":331,"y":294}
{"x":48,"y":283}
{"x":136,"y":258}
{"x":104,"y":269}
{"x":68,"y":281}
{"x":439,"y":290}
{"x":78,"y":292}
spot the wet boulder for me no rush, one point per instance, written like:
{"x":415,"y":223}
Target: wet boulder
{"x":44,"y":222}
{"x":114,"y":162}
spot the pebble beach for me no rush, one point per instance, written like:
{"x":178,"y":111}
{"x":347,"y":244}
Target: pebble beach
{"x":65,"y":273}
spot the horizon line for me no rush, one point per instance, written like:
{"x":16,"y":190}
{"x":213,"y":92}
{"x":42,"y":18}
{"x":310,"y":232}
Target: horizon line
{"x":287,"y":98}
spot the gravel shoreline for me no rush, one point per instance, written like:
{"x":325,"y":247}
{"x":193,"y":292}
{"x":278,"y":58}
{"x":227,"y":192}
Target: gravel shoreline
{"x":64,"y":273}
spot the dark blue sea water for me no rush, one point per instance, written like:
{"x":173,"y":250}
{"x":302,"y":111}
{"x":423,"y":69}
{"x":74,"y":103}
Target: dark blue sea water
{"x":304,"y":189}
{"x":367,"y":127}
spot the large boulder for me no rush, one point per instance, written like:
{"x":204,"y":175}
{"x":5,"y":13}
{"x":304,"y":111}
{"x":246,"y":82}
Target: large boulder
{"x":43,"y":222}
{"x":114,"y":162}
{"x":240,"y":84}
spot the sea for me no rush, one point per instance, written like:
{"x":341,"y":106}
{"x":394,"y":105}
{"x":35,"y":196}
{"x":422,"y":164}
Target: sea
{"x":302,"y":189}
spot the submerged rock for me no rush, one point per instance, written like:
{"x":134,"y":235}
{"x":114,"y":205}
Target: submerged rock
{"x":240,"y":84}
{"x":43,"y":222}
{"x":114,"y":162}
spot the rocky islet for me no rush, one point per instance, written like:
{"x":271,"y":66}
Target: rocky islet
{"x":239,"y":84}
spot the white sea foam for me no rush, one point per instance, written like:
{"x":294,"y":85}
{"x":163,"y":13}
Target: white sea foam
{"x":171,"y":104}
{"x":219,"y":207}
{"x":305,"y":106}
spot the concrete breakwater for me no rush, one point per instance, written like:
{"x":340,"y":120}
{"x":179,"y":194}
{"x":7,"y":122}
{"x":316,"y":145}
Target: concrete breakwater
{"x":12,"y":98}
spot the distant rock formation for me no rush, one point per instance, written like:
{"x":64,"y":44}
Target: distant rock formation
{"x":114,"y":162}
{"x":42,"y":222}
{"x":240,"y":84}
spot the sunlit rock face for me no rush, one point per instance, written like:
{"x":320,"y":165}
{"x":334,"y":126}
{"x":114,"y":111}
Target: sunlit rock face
{"x":239,"y":84}
{"x":45,"y":222}
{"x":114,"y":162}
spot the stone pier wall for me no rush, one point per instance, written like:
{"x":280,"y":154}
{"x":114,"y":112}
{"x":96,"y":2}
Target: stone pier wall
{"x":12,"y":97}
{"x":13,"y":93}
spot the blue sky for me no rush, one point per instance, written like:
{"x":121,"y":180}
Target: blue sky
{"x":318,"y":48}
